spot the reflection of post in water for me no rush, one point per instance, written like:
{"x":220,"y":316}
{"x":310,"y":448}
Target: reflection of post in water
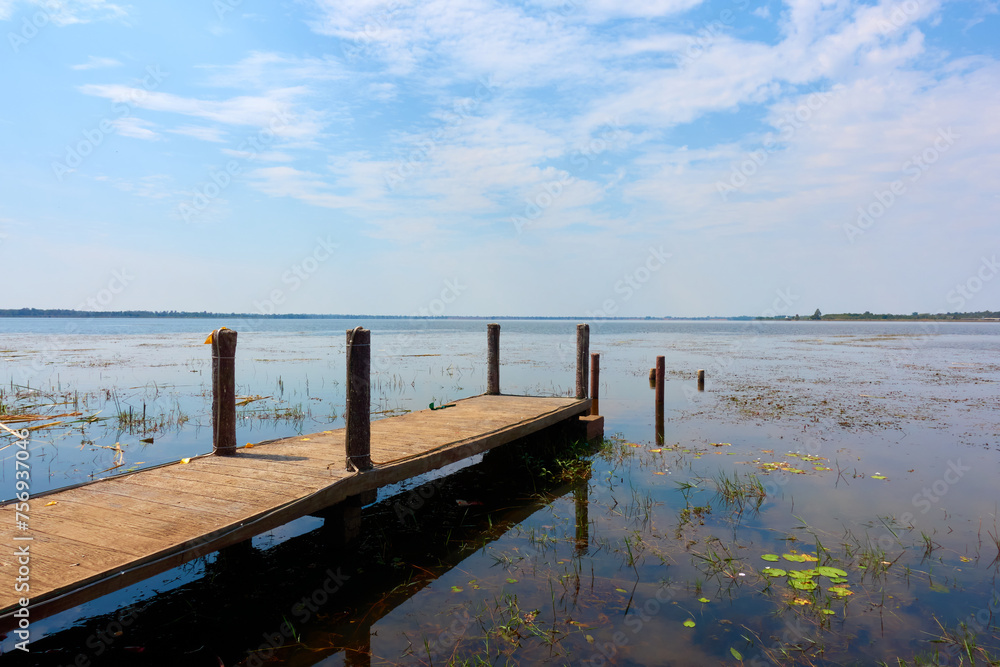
{"x":581,"y":499}
{"x":660,"y":373}
{"x":359,"y":652}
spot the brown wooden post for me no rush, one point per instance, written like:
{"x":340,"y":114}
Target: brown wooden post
{"x":582,"y":358}
{"x":701,"y":380}
{"x":493,"y":359}
{"x":358,"y":439}
{"x":224,"y":392}
{"x":595,"y":380}
{"x":660,"y":373}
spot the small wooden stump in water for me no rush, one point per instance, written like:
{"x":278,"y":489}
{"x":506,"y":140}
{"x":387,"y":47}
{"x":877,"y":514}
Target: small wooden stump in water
{"x":701,"y":380}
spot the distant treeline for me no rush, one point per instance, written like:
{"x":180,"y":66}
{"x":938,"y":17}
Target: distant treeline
{"x":980,"y":315}
{"x":65,"y":312}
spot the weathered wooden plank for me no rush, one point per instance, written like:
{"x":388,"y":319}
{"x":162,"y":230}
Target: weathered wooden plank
{"x":163,"y":517}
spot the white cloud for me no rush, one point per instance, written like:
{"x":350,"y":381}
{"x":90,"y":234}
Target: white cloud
{"x":267,"y":156}
{"x":277,"y":111}
{"x":130,"y":126}
{"x":65,"y":12}
{"x":301,"y":185}
{"x":95,"y":62}
{"x":213,"y":134}
{"x":265,"y":70}
{"x":156,"y":186}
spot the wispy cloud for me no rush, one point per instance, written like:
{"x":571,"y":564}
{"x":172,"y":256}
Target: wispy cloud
{"x":213,"y":134}
{"x":95,"y":62}
{"x":302,"y":185}
{"x":66,"y":12}
{"x":278,"y":110}
{"x":137,"y":128}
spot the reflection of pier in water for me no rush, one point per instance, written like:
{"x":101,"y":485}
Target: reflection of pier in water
{"x":245,"y":594}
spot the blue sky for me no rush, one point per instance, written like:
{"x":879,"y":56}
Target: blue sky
{"x":669,"y":157}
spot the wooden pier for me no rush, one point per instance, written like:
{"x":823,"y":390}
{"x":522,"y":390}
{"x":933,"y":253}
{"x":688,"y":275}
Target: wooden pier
{"x":92,"y":539}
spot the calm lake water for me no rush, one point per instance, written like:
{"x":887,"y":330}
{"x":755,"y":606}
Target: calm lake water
{"x":870,"y":447}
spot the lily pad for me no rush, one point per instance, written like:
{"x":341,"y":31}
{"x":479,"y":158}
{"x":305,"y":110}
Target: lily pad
{"x":801,"y":601}
{"x":822,"y":468}
{"x":703,"y":600}
{"x":773,"y":572}
{"x":831,"y":572}
{"x":770,"y":557}
{"x":838,"y":580}
{"x":828,"y":612}
{"x":802,"y":574}
{"x":879,"y":477}
{"x":689,"y":623}
{"x":840,"y":590}
{"x":795,"y":558}
{"x":802,"y":584}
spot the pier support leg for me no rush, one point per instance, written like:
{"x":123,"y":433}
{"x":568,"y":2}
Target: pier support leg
{"x":493,"y":359}
{"x":582,"y":358}
{"x":358,"y":652}
{"x":701,"y":380}
{"x":343,"y":520}
{"x":358,"y":438}
{"x":224,"y":392}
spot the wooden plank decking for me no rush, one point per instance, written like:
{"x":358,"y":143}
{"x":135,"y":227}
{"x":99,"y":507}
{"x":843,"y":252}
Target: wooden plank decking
{"x":90,"y":540}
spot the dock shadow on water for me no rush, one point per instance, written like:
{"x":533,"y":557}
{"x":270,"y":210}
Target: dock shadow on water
{"x":314,"y":598}
{"x":617,"y":553}
{"x":802,"y":510}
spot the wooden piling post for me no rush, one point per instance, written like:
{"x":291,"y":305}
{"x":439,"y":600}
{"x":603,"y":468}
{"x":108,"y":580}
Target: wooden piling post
{"x":358,"y":413}
{"x":582,"y":358}
{"x":224,"y":392}
{"x":660,"y":373}
{"x":493,"y":359}
{"x":595,"y":381}
{"x":701,"y":380}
